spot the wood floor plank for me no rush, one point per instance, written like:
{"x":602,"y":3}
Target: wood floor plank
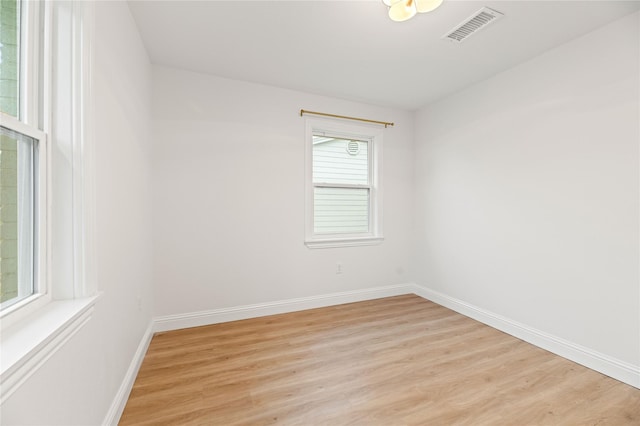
{"x":395,"y":361}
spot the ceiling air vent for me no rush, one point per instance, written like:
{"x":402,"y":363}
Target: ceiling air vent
{"x":473,"y":24}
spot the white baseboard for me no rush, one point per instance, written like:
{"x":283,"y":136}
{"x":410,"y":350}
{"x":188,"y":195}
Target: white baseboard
{"x":215,"y":316}
{"x":120,"y":401}
{"x":617,"y":369}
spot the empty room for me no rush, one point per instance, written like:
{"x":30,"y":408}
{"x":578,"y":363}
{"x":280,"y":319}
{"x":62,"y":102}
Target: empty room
{"x":373,"y":212}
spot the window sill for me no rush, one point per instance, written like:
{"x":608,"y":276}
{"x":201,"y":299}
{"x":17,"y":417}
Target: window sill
{"x":30,"y":342}
{"x":346,"y":242}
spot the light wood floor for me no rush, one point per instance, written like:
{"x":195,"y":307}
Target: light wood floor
{"x":395,"y":361}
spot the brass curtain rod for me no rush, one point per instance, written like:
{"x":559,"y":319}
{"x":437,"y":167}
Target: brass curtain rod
{"x":385,"y":123}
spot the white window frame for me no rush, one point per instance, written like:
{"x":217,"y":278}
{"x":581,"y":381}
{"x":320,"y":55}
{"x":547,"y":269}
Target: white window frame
{"x":374,"y":138}
{"x":32,"y":330}
{"x":32,"y":96}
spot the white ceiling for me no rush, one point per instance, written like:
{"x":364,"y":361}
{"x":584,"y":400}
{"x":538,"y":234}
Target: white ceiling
{"x":351,"y":50}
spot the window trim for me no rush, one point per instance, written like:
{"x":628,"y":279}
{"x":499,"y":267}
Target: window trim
{"x":373,"y":136}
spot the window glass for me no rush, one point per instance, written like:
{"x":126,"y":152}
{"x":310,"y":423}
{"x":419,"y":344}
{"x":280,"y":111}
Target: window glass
{"x":9,"y":56}
{"x":341,"y":185}
{"x":337,"y":160}
{"x":341,"y":210}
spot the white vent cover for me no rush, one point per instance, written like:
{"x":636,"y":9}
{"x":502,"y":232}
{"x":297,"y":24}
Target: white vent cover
{"x":473,"y":24}
{"x":353,"y":148}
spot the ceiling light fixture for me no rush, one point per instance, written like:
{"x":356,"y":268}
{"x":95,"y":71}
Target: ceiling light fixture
{"x":402,"y":10}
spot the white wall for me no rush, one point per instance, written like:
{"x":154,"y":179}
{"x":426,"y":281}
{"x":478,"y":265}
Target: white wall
{"x":229,"y":197}
{"x":526,"y":204}
{"x":527,"y":193}
{"x":78,"y":384}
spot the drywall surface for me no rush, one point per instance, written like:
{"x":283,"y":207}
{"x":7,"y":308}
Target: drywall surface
{"x":527,"y":193}
{"x":79,"y":383}
{"x":229,"y":207}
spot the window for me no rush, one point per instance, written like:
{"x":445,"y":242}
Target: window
{"x":343,"y":193}
{"x":47,"y":281}
{"x":22,"y":156}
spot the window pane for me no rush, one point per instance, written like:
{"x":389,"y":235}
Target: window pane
{"x":9,"y":56}
{"x":341,"y":210}
{"x":340,"y":161}
{"x":16,"y":216}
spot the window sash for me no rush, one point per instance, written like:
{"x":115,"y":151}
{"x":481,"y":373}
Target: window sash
{"x":18,"y":216}
{"x":333,"y":162}
{"x":341,"y":210}
{"x":31,"y":181}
